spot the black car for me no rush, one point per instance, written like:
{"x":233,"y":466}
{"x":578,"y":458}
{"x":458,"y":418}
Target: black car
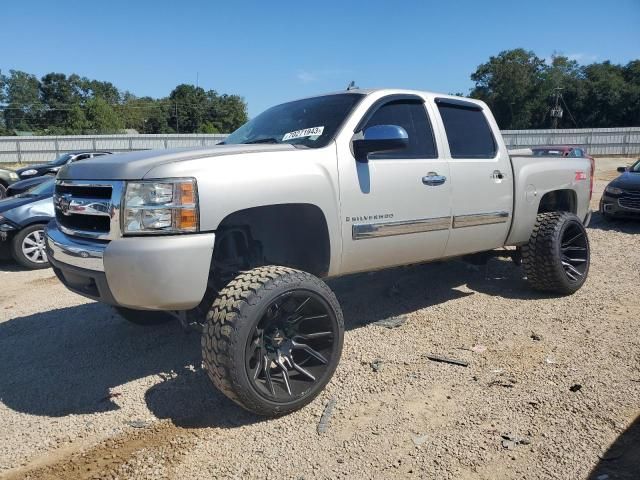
{"x":621,"y":198}
{"x":7,"y":177}
{"x":24,"y":185}
{"x":52,"y":168}
{"x":22,"y":222}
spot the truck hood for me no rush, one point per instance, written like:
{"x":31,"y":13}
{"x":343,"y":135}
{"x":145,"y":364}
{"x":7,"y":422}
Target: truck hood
{"x":135,"y":165}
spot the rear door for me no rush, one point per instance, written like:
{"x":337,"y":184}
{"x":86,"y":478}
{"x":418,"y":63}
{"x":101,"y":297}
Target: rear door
{"x":395,"y":207}
{"x":481,"y":178}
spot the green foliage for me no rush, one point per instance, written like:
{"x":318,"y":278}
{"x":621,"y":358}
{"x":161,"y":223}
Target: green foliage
{"x":61,"y":104}
{"x":520,"y":88}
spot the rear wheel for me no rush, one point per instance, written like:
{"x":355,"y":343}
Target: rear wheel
{"x":273,"y":339}
{"x":144,"y":317}
{"x":557,"y":257}
{"x":28,"y":247}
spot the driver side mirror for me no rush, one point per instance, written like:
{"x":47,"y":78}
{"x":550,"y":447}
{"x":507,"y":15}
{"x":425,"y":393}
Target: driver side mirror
{"x":622,"y":169}
{"x":379,"y":138}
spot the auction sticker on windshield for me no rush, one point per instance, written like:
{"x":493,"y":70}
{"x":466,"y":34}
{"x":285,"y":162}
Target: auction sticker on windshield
{"x":307,"y":132}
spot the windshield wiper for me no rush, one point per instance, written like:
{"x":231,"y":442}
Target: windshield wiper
{"x":262,"y":140}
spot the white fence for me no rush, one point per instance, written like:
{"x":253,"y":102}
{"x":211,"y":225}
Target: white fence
{"x":597,"y":141}
{"x":44,"y":149}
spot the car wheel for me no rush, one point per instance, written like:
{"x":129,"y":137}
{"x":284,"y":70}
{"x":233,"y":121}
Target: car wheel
{"x":557,"y":257}
{"x":145,"y":318}
{"x":273,"y":339}
{"x":28,"y":247}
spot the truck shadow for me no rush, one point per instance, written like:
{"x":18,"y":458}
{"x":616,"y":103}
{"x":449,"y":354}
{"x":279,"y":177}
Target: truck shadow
{"x":622,"y":458}
{"x":72,"y":360}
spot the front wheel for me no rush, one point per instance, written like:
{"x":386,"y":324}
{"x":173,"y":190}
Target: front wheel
{"x":28,"y":247}
{"x":273,"y":339}
{"x":557,"y":257}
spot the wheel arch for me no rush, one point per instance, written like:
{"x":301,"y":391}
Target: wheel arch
{"x":293,"y":235}
{"x":561,"y":200}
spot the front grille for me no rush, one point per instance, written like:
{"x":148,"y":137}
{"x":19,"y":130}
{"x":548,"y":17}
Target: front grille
{"x":88,"y":209}
{"x":88,"y":223}
{"x":630,"y":199}
{"x":81,"y":191}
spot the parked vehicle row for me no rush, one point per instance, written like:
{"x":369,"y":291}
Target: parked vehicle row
{"x":52,"y":168}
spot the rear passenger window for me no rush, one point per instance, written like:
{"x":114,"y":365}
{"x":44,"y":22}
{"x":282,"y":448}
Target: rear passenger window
{"x":468,"y":131}
{"x":411,"y":116}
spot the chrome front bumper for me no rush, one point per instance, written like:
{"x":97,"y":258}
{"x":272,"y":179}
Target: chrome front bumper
{"x":152,"y":273}
{"x":74,"y":251}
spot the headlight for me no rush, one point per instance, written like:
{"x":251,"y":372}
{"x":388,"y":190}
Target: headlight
{"x":5,"y":226}
{"x":168,"y":206}
{"x":31,"y":171}
{"x":613,"y":190}
{"x":14,"y":176}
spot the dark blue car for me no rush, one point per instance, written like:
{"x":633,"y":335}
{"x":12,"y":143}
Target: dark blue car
{"x":22,"y":221}
{"x":621,"y":198}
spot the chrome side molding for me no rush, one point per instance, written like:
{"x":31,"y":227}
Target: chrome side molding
{"x":388,"y":229}
{"x":475,"y":219}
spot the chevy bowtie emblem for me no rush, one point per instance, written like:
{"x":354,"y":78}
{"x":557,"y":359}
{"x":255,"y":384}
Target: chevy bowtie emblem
{"x":64,"y":202}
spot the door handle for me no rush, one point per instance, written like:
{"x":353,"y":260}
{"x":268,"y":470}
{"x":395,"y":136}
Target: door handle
{"x":432,"y":179}
{"x":497,"y":175}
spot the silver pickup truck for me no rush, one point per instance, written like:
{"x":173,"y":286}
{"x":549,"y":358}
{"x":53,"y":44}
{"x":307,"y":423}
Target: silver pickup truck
{"x":236,"y":238}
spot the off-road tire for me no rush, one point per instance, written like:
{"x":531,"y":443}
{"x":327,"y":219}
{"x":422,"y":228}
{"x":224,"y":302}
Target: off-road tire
{"x":16,"y":247}
{"x":542,"y":257}
{"x":145,"y":318}
{"x":233,"y":315}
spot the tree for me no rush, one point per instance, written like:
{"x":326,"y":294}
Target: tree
{"x":188,"y":104}
{"x":22,"y":96}
{"x":60,"y":95}
{"x":102,"y":118}
{"x":511,"y":84}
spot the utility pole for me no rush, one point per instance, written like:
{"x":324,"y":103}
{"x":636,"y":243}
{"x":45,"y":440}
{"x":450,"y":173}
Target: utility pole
{"x":556,"y":111}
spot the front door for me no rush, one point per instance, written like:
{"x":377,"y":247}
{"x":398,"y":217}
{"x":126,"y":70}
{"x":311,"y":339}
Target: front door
{"x":395,"y":206}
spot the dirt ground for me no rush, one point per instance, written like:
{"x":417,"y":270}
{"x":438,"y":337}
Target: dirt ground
{"x":552,"y":389}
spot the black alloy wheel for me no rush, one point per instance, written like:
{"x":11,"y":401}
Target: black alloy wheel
{"x":574,"y":252}
{"x":273,"y":339}
{"x":289,"y":349}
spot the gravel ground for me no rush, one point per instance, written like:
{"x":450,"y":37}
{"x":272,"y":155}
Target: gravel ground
{"x":83,"y":394}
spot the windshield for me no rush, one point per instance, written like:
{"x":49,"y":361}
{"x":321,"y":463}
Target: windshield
{"x":45,"y":188}
{"x":635,"y":168}
{"x":312,"y":122}
{"x":62,"y":159}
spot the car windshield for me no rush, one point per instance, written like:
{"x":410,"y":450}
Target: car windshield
{"x":312,"y":122}
{"x":635,"y":168}
{"x":44,"y":188}
{"x":62,"y":159}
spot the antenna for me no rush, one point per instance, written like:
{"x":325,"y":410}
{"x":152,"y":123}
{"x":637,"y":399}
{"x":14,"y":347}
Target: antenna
{"x":352,"y":85}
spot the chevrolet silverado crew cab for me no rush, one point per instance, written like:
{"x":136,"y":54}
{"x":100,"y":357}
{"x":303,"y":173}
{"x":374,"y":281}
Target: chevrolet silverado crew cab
{"x":237,"y":237}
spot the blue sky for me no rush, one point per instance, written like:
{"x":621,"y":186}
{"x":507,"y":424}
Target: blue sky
{"x":273,"y":51}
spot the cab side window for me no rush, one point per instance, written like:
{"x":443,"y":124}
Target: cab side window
{"x":411,"y":116}
{"x":468,"y":131}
